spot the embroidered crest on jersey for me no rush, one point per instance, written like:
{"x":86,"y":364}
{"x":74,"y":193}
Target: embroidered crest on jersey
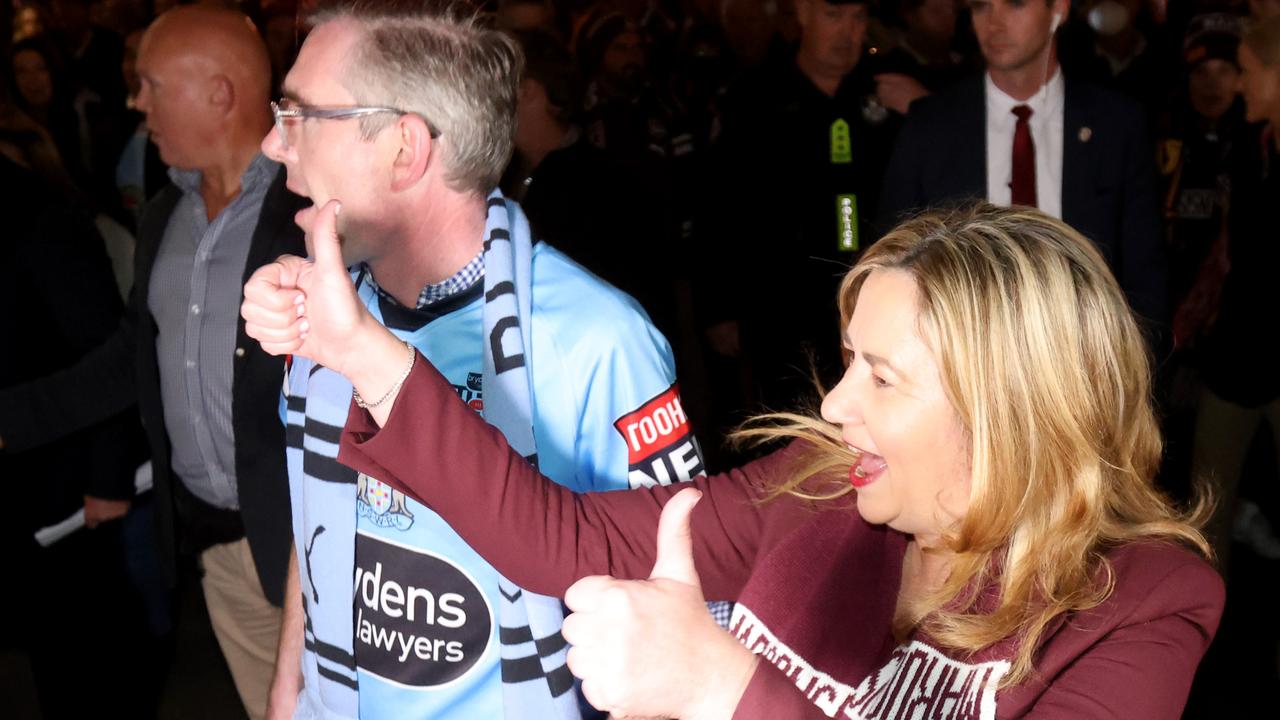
{"x":660,"y":448}
{"x":421,"y":620}
{"x":917,"y":682}
{"x":381,"y":505}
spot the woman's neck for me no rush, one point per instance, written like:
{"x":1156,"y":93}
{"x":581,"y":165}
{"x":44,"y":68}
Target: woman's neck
{"x":926,"y":566}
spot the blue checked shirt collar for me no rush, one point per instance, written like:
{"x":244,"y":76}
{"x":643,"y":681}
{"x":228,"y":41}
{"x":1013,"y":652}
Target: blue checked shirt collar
{"x":469,"y":275}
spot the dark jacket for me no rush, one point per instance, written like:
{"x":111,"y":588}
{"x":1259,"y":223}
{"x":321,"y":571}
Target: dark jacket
{"x":1240,"y":348}
{"x":1108,"y":176}
{"x":124,"y":370}
{"x":57,"y":302}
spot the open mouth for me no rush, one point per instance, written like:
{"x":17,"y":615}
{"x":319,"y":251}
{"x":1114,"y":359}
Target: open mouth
{"x":867,"y":469}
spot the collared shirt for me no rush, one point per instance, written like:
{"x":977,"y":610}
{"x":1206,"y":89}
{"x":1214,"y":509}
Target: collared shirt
{"x":469,"y":275}
{"x":195,"y":297}
{"x":1046,"y":132}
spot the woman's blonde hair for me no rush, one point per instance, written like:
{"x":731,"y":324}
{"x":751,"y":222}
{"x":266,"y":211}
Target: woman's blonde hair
{"x":1048,"y":372}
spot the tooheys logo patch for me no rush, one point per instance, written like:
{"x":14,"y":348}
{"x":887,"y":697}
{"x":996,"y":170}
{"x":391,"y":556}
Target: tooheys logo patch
{"x":660,"y":448}
{"x":421,"y":621}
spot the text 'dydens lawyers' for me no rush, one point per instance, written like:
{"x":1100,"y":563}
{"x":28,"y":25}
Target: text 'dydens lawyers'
{"x":661,"y":448}
{"x":421,"y":620}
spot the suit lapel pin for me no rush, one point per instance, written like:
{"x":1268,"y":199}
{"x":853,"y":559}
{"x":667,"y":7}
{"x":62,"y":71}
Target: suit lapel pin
{"x":1085,"y":133}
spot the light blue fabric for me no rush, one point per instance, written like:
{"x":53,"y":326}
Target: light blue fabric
{"x":367,"y":555}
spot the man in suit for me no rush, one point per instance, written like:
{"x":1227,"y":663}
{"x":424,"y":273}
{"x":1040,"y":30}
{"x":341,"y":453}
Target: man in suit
{"x":208,"y":397}
{"x":1023,"y":134}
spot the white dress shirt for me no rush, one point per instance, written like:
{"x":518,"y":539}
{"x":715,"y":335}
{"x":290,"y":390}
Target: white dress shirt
{"x":1046,"y":132}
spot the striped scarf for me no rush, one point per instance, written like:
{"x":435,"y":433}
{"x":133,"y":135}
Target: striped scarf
{"x":536,"y":683}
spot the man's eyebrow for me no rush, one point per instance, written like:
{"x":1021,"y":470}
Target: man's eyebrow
{"x":290,"y":94}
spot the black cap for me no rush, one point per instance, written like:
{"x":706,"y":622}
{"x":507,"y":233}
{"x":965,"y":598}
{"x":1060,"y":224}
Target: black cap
{"x":1214,"y":36}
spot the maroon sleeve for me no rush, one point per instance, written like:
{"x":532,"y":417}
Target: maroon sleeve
{"x":1143,"y":668}
{"x":539,"y":534}
{"x":771,"y":695}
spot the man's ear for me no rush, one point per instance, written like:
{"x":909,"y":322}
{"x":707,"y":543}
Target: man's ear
{"x":413,"y":155}
{"x":222,"y":92}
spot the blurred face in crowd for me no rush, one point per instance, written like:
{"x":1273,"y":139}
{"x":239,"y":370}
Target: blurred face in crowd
{"x":1211,"y":87}
{"x":831,"y":36}
{"x":27,"y":23}
{"x":175,"y":87}
{"x":1260,"y":86}
{"x":1015,"y":35}
{"x":623,"y":63}
{"x":913,"y":471}
{"x":935,"y":20}
{"x":748,"y":26}
{"x":33,"y":78}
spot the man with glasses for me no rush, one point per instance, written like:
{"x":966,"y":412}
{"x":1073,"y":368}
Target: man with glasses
{"x":404,"y":121}
{"x":207,"y":395}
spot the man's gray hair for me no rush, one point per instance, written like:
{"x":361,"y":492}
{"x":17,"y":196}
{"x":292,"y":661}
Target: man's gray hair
{"x":439,"y":61}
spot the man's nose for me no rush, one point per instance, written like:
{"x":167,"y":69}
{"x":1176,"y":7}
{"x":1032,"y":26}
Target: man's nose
{"x":273,"y":145}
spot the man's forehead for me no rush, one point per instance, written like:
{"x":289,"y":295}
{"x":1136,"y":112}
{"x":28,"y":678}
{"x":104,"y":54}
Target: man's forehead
{"x":320,"y":61}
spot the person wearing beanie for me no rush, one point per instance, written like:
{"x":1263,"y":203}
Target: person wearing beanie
{"x":1192,"y":156}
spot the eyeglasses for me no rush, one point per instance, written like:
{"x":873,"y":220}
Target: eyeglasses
{"x":284,"y":109}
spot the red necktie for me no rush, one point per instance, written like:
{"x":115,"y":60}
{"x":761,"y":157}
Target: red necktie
{"x":1024,"y":160}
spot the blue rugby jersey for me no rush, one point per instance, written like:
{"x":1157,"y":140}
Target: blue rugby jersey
{"x":397,"y":605}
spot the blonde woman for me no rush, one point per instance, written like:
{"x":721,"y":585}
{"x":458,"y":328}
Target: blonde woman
{"x":971,"y":529}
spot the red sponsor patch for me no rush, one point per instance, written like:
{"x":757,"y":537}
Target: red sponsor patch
{"x":654,"y":426}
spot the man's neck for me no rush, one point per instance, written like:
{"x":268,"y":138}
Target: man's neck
{"x":431,"y":248}
{"x":220,"y":182}
{"x":1023,"y":83}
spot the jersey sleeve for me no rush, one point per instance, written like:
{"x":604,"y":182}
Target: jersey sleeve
{"x":608,"y":411}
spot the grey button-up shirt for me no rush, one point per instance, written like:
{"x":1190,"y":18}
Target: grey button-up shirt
{"x":195,"y":298}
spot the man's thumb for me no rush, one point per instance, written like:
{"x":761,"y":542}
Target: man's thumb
{"x":675,"y":543}
{"x":324,"y":238}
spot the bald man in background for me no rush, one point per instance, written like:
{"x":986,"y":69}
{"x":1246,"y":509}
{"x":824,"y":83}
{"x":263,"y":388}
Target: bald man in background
{"x":208,"y":397}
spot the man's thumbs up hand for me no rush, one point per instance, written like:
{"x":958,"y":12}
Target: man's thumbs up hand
{"x":649,"y":648}
{"x":307,"y":307}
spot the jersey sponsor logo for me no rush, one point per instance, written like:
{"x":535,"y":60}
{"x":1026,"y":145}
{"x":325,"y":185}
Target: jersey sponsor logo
{"x":660,"y":448}
{"x":918,"y":682}
{"x":472,"y":393}
{"x":421,"y":621}
{"x":381,"y":505}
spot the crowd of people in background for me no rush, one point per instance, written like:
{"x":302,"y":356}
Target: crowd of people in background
{"x":724,"y":162}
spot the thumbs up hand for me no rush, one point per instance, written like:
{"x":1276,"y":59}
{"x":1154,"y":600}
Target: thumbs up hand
{"x":649,"y":648}
{"x":308,"y":307}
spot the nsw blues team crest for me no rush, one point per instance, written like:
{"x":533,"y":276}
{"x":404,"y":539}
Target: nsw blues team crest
{"x":381,"y":505}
